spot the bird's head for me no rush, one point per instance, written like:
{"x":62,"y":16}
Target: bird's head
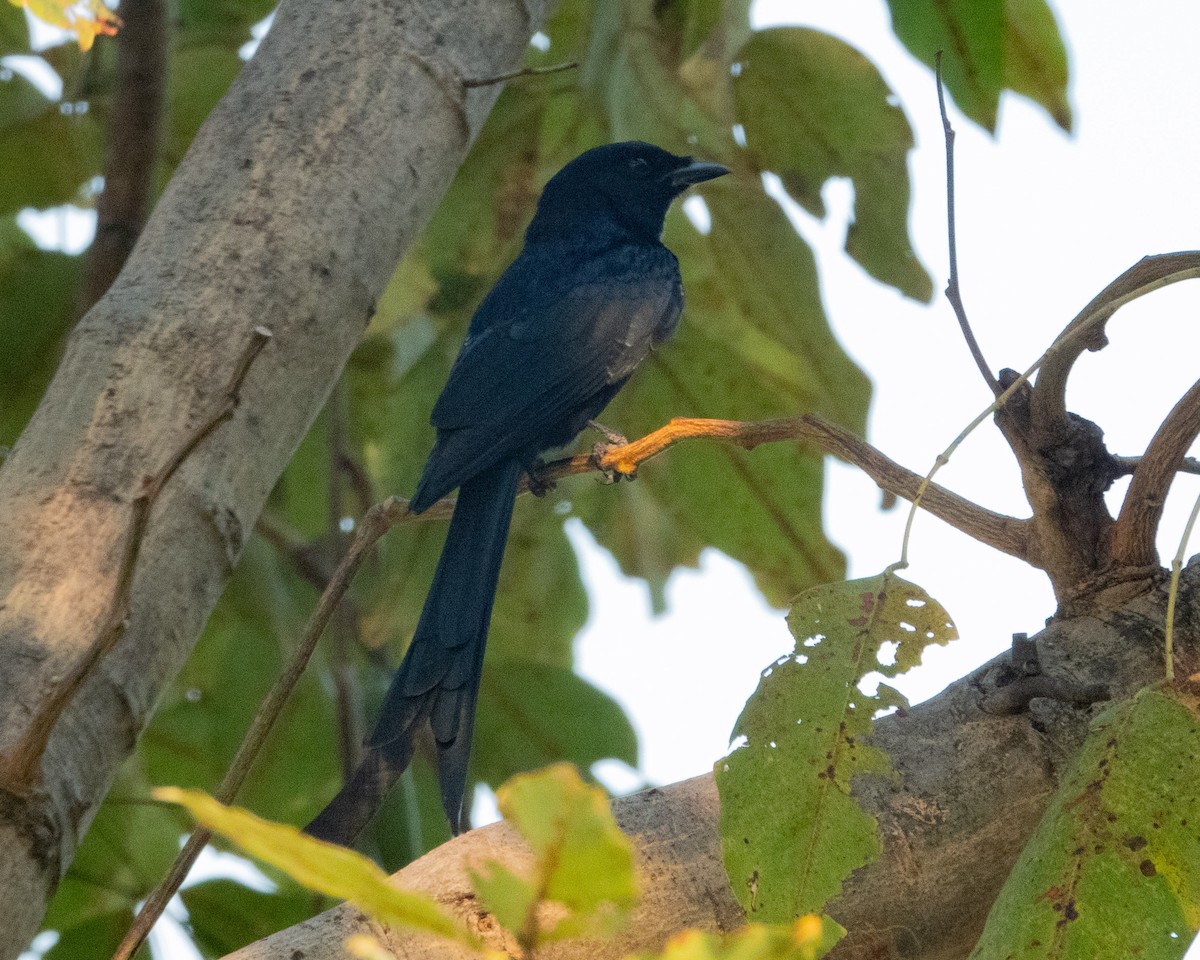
{"x":631,"y":184}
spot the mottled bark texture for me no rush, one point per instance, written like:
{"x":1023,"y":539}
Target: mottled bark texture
{"x":291,"y":210}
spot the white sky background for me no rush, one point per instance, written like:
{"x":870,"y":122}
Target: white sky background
{"x":1045,"y":220}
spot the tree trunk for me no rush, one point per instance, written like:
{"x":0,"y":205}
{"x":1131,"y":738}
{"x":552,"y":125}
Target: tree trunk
{"x":291,"y":210}
{"x":972,"y":786}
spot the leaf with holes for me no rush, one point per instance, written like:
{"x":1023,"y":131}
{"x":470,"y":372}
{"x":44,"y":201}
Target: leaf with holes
{"x":1114,"y":867}
{"x":791,"y":831}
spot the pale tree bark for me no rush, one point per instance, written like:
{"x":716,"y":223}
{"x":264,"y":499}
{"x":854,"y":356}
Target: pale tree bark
{"x":970,"y":790}
{"x":290,"y":211}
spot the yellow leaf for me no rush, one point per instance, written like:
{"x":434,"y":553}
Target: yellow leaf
{"x":323,"y":867}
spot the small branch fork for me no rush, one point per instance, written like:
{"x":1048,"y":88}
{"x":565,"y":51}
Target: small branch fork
{"x":20,"y":768}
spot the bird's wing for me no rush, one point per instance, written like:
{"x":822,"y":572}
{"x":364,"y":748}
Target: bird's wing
{"x":538,"y":355}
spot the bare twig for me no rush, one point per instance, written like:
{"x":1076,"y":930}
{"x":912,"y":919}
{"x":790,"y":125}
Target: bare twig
{"x":1126,"y":465}
{"x":1134,"y":533}
{"x":19,"y":769}
{"x":310,"y":559}
{"x":1006,"y":534}
{"x":1173,"y":595}
{"x":524,"y":72}
{"x":133,"y":141}
{"x":1048,"y":406}
{"x":953,"y":291}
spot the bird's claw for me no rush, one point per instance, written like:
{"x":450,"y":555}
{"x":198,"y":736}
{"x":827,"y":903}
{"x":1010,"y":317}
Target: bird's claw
{"x":600,"y":450}
{"x":539,"y":483}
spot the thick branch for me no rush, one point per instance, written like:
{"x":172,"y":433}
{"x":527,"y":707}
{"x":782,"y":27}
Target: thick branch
{"x":1137,"y":525}
{"x":245,"y":235}
{"x":969,"y":792}
{"x":133,"y":136}
{"x":1086,"y":332}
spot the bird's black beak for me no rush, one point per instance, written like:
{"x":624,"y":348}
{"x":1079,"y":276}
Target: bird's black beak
{"x":695,"y":171}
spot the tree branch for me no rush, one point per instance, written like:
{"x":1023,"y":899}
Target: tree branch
{"x":133,"y":139}
{"x":1048,"y":406}
{"x":1006,"y":534}
{"x":19,"y":764}
{"x":972,"y":791}
{"x":1133,"y":535}
{"x":953,"y":291}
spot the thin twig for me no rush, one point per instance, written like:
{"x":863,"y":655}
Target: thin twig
{"x":1173,"y":593}
{"x":953,"y":291}
{"x":1136,"y":528}
{"x":524,"y":72}
{"x":19,"y":769}
{"x":1126,"y":465}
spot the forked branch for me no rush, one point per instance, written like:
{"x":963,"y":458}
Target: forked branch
{"x":1049,"y":401}
{"x":1133,"y":542}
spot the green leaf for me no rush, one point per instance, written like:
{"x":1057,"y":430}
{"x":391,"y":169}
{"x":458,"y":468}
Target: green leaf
{"x":1114,"y":867}
{"x":46,"y":158}
{"x":806,"y":939}
{"x":542,"y":705}
{"x":208,"y":709}
{"x":813,"y":108}
{"x":1035,"y":57}
{"x":581,"y":859}
{"x":14,"y":30}
{"x":98,"y":936}
{"x":324,"y":867}
{"x":805,"y":730}
{"x":988,"y":46}
{"x":20,"y":100}
{"x":199,"y":76}
{"x":225,"y":916}
{"x":37,"y":291}
{"x":971,"y":36}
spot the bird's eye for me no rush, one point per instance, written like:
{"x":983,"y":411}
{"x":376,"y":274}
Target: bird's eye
{"x":638,"y":165}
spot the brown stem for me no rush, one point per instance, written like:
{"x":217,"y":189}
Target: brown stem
{"x":1136,"y":528}
{"x":1006,"y":534}
{"x":133,"y":142}
{"x":524,"y":72}
{"x":953,"y":291}
{"x":1048,"y":405}
{"x":19,"y":768}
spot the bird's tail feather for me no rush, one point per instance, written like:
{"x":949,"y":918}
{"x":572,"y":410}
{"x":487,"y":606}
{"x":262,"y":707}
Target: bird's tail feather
{"x":439,"y":677}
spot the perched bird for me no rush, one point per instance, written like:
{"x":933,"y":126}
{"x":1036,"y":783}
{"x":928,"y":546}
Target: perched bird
{"x":591,"y":294}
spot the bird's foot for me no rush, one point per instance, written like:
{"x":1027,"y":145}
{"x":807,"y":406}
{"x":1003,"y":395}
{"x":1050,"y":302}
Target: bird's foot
{"x":612,"y":441}
{"x":600,"y":450}
{"x":539,"y":483}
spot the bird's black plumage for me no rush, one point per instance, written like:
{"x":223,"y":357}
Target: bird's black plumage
{"x":591,"y":294}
